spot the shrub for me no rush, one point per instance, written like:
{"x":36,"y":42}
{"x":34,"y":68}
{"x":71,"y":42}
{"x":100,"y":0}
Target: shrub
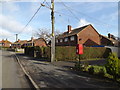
{"x":91,"y":70}
{"x":79,"y":66}
{"x":113,"y":66}
{"x":102,"y":72}
{"x":98,"y":70}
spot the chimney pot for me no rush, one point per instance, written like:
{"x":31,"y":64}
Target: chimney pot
{"x":69,"y":28}
{"x":109,"y":35}
{"x":18,"y":40}
{"x":32,"y":38}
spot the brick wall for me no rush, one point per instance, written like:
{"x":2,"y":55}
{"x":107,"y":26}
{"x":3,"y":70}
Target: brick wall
{"x":88,"y":37}
{"x":105,"y":41}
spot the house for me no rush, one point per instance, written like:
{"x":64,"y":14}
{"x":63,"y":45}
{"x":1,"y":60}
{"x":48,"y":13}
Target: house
{"x":19,"y":43}
{"x":109,"y":40}
{"x":36,"y":42}
{"x":5,"y":43}
{"x":86,"y":35}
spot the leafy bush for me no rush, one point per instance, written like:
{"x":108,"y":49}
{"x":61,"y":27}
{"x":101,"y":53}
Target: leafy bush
{"x":113,"y":66}
{"x":78,"y":66}
{"x":98,"y":70}
{"x":91,"y":70}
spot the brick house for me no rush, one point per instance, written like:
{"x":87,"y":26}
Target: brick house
{"x":109,"y":41}
{"x":19,"y":43}
{"x":5,"y":43}
{"x":36,"y":42}
{"x":86,"y":35}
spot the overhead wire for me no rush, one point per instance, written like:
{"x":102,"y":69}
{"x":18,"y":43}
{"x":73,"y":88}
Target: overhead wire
{"x":41,"y":4}
{"x":32,"y":16}
{"x":69,"y":8}
{"x":97,"y":23}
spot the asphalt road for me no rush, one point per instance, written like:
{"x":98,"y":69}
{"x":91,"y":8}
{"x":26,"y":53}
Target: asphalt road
{"x":12,"y":75}
{"x":47,"y":75}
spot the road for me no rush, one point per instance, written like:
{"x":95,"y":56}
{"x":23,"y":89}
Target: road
{"x":12,"y":75}
{"x":47,"y":75}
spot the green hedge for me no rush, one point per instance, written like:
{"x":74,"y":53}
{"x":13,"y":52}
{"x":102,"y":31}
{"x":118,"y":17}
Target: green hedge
{"x":69,"y":53}
{"x":66,"y":53}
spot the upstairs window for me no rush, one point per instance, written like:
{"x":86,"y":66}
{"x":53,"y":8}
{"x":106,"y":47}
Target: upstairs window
{"x":66,"y":39}
{"x":61,"y":40}
{"x":72,"y":38}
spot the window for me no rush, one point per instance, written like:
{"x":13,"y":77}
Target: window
{"x":66,"y":39}
{"x":61,"y":40}
{"x":72,"y":38}
{"x":56,"y":41}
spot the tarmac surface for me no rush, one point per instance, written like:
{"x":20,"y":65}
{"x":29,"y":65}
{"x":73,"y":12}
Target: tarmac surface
{"x":12,"y":75}
{"x":49,"y":75}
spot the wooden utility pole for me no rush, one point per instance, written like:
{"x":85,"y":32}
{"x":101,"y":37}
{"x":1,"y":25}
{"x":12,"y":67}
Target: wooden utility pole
{"x":16,"y":41}
{"x":53,"y":36}
{"x":16,"y":37}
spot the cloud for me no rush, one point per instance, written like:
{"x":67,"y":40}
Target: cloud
{"x":9,"y":24}
{"x":4,"y":33}
{"x":83,"y":22}
{"x":10,"y":6}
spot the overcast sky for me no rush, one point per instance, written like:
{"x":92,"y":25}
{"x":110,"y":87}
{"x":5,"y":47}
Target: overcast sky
{"x":15,"y":15}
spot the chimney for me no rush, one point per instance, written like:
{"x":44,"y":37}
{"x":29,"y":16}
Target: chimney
{"x":18,"y":40}
{"x":69,"y":28}
{"x":109,"y":35}
{"x":32,"y":38}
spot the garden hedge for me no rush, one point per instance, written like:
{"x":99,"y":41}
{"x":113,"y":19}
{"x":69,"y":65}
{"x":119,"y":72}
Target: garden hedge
{"x":68,"y":53}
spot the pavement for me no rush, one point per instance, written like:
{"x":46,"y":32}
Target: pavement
{"x":12,"y":75}
{"x":49,"y":75}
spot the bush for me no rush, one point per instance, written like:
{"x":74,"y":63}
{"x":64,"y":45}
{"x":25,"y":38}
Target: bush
{"x":79,"y":66}
{"x":97,"y":70}
{"x":113,"y":66}
{"x":91,"y":70}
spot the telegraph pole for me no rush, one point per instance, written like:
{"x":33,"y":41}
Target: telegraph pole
{"x":53,"y":36}
{"x":16,"y":41}
{"x":16,"y":37}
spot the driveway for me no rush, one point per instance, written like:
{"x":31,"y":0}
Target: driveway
{"x":47,"y":75}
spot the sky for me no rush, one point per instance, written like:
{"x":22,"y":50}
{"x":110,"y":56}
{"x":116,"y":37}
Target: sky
{"x":14,"y":15}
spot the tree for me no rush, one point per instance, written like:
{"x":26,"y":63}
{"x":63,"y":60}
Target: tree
{"x":46,"y":34}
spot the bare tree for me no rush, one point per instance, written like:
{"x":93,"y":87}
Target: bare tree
{"x":45,"y":34}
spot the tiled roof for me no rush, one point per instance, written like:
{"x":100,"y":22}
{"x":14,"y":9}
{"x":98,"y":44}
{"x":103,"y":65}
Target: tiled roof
{"x":5,"y":41}
{"x":115,"y":41}
{"x":20,"y":42}
{"x":73,"y":32}
{"x":30,"y":41}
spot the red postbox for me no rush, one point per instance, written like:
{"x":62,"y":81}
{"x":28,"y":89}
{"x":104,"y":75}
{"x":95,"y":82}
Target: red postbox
{"x":79,"y":49}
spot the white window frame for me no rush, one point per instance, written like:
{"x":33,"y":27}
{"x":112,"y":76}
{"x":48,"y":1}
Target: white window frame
{"x":61,"y":40}
{"x":57,"y":41}
{"x":66,"y":39}
{"x":72,"y":38}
